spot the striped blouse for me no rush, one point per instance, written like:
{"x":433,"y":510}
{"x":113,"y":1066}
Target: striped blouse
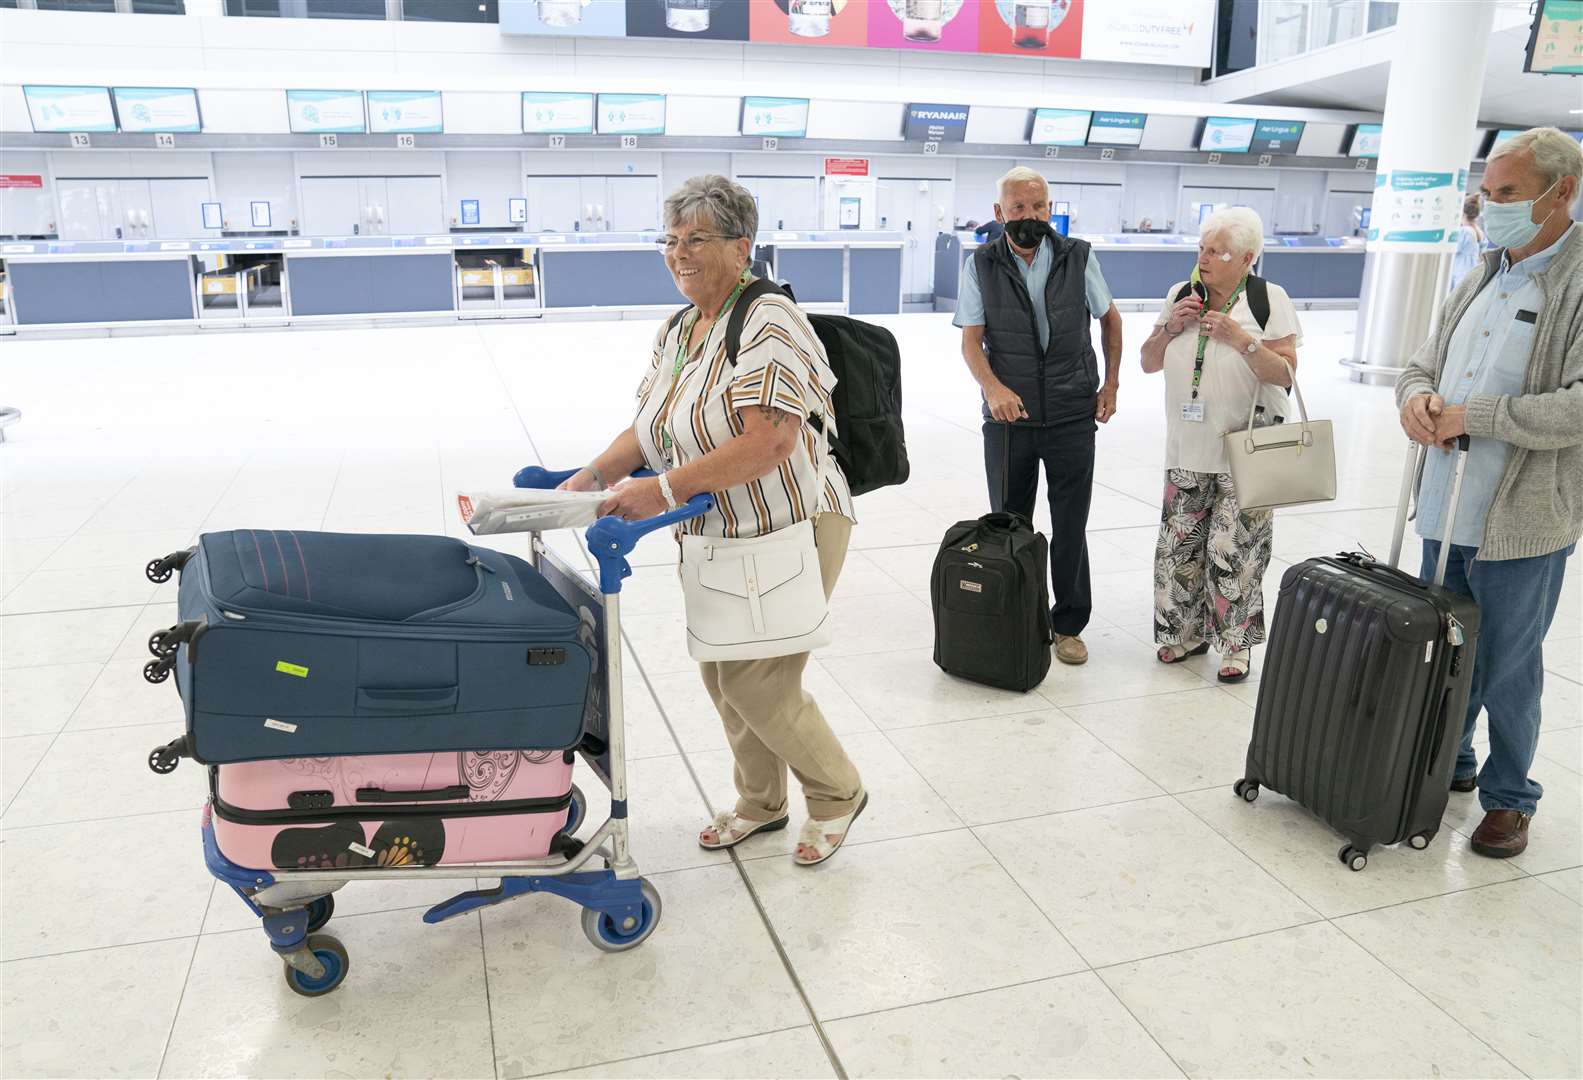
{"x":780,"y":365}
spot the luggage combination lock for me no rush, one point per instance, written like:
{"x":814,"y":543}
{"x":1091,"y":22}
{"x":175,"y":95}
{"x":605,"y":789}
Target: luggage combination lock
{"x":546,"y":657}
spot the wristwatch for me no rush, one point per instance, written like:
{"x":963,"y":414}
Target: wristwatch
{"x":1253,"y":347}
{"x":665,"y":490}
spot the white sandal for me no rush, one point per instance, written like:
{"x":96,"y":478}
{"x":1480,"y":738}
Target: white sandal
{"x":815,"y":836}
{"x":730,"y":830}
{"x":1238,"y":661}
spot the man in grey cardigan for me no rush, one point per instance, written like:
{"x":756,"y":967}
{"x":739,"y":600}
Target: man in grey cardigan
{"x":1504,"y":365}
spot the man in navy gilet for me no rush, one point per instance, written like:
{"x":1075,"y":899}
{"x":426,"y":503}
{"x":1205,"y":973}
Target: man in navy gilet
{"x":1034,"y":361}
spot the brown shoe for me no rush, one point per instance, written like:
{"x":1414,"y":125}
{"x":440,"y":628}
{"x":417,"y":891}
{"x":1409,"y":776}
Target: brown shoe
{"x":1465,"y":784}
{"x":1502,"y":834}
{"x":1069,"y":649}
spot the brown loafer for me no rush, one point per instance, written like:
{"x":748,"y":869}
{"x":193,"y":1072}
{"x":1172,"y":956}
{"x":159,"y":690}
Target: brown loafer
{"x":1069,"y":649}
{"x":1502,"y":834}
{"x":1465,"y":784}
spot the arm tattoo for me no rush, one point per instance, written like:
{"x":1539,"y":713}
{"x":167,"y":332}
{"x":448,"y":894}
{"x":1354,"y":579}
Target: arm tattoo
{"x":776,"y":417}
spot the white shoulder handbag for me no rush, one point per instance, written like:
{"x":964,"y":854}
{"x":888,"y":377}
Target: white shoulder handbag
{"x":1282,"y":464}
{"x":756,"y":598}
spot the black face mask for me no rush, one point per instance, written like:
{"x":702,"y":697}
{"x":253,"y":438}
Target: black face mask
{"x":1027,"y":232}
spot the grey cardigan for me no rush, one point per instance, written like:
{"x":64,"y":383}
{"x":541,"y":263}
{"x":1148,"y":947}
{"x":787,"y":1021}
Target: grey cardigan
{"x":1538,"y":506}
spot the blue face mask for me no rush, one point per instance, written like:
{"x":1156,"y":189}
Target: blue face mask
{"x":1511,"y":225}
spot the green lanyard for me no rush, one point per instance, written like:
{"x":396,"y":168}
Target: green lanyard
{"x":681,"y":350}
{"x":1203,"y":338}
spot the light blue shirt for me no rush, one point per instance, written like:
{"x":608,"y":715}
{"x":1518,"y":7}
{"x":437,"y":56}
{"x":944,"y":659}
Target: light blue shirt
{"x":970,"y":299}
{"x":1488,"y":355}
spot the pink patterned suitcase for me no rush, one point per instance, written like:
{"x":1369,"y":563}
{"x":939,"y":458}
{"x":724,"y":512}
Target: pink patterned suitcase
{"x":392,"y":809}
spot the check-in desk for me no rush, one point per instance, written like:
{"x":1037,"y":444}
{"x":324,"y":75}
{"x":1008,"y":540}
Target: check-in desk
{"x":1141,"y":268}
{"x":274,"y":281}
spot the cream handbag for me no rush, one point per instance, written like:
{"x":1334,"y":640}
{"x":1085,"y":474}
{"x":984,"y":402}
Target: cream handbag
{"x":756,"y":598}
{"x":1282,"y":464}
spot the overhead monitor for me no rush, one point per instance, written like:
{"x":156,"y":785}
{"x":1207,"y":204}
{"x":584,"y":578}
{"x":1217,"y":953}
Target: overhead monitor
{"x":405,"y":111}
{"x":557,"y":113}
{"x":1555,"y":40}
{"x":1059,"y":127}
{"x":1117,"y":129}
{"x":61,"y":109}
{"x":631,"y":114}
{"x":1227,"y":134}
{"x":1276,"y":137}
{"x":156,"y":108}
{"x":326,"y":112}
{"x":1365,"y":141}
{"x":930,"y":122}
{"x":777,"y":116}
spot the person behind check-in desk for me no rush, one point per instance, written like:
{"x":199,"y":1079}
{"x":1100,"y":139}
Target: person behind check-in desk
{"x":739,"y":433}
{"x":1504,"y":365}
{"x":1210,"y":559}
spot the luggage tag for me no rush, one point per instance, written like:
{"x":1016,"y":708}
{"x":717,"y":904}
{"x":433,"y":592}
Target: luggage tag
{"x":1193,"y":412}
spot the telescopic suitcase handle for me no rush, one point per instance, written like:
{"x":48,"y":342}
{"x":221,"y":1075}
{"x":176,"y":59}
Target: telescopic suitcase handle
{"x":1410,"y":475}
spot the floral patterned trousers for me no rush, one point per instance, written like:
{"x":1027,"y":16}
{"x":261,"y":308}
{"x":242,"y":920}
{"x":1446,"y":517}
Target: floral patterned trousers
{"x":1209,"y":564}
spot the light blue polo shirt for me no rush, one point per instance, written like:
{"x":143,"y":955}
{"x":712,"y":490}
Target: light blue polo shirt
{"x":970,"y":299}
{"x":1488,"y":354}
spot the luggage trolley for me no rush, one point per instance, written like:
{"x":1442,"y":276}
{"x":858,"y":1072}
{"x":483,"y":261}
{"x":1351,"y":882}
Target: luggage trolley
{"x":620,"y":908}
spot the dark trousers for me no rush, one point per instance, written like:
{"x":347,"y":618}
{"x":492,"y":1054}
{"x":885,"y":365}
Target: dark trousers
{"x":1067,"y":452}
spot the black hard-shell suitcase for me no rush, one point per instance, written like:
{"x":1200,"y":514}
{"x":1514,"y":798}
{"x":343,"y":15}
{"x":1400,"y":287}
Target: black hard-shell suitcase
{"x":991,"y":599}
{"x":1364,"y":691}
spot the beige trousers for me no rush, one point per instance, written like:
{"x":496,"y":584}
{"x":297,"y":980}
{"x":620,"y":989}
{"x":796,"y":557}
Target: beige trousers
{"x":773,"y":724}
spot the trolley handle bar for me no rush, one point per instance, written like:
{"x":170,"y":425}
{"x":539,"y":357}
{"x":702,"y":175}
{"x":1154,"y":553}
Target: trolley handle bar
{"x":610,"y":539}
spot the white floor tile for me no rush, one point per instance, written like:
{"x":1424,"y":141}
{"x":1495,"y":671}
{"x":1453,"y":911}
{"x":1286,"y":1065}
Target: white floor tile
{"x":413,"y":1004}
{"x":73,"y":590}
{"x":1564,"y":657}
{"x":130,"y":550}
{"x":37,"y":700}
{"x":666,"y":811}
{"x":68,"y":637}
{"x":659,"y":642}
{"x":1000,"y":768}
{"x":88,"y":775}
{"x":1300,"y":851}
{"x":1140,"y":878}
{"x":1568,"y":883}
{"x":19,"y":756}
{"x":785,"y":1055}
{"x":1119,"y":666}
{"x":1529,"y":1006}
{"x":1555,"y":836}
{"x":1563,"y":747}
{"x":1301,"y":1002}
{"x":901,"y":802}
{"x":878,"y":624}
{"x":106,"y":1012}
{"x":906,"y":921}
{"x":59,"y":899}
{"x":904,"y":689}
{"x":546,"y":982}
{"x":121,"y":697}
{"x":1184,"y":741}
{"x":157,"y":616}
{"x":1070,"y":1026}
{"x":692,"y":714}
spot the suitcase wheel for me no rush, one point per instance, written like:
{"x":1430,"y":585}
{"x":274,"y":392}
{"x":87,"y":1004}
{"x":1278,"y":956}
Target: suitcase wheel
{"x":159,"y":571}
{"x":1419,"y":841}
{"x":609,"y":936}
{"x":331,"y":954}
{"x":156,"y":671}
{"x":319,"y":912}
{"x":158,"y":643}
{"x":576,"y":812}
{"x":1352,"y":858}
{"x":1247,"y":790}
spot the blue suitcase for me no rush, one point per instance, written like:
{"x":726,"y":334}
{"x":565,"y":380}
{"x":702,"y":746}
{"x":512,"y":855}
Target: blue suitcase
{"x":306,"y":644}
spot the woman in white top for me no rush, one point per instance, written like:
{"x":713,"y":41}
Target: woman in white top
{"x":740,"y":433}
{"x":1218,"y":361}
{"x":1470,"y":240}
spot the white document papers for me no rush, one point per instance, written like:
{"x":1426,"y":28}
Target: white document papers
{"x":528,"y":510}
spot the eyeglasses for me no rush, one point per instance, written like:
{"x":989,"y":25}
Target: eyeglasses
{"x":669,"y":244}
{"x":1214,"y":253}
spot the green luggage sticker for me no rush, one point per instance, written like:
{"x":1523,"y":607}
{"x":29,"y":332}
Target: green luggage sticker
{"x":291,"y":669}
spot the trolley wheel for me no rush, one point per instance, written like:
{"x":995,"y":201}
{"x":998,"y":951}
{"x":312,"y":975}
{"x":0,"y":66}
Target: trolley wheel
{"x":1419,"y":841}
{"x":576,"y":812}
{"x":156,"y":643}
{"x":332,"y":954}
{"x":1246,"y":790}
{"x":319,"y":912}
{"x":608,"y":935}
{"x":163,"y":760}
{"x":155,"y":671}
{"x":158,"y":571}
{"x":1352,"y":858}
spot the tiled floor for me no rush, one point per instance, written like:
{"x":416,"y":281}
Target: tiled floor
{"x":1051,"y":884}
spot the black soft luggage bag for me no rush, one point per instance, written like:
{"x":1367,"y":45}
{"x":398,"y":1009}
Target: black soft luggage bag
{"x":991,"y":602}
{"x":1364,"y":691}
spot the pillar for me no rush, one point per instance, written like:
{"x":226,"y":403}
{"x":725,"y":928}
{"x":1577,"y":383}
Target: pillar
{"x":1420,"y":179}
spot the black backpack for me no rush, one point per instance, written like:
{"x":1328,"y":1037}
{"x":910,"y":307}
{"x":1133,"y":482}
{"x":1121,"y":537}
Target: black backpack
{"x":871,"y":447}
{"x":991,"y":602}
{"x":1258,"y":293}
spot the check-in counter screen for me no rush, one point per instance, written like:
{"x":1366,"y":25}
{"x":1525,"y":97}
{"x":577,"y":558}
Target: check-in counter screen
{"x":1227,"y":134}
{"x":1365,"y":141}
{"x":1059,"y":127}
{"x":150,"y":108}
{"x":61,"y":109}
{"x":557,"y":114}
{"x":405,"y":111}
{"x":326,"y":112}
{"x":1117,"y":129}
